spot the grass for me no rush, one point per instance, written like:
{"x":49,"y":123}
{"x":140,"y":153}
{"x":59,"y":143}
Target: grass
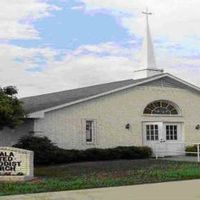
{"x":103,"y":174}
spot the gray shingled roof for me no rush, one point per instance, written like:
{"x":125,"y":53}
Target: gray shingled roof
{"x":45,"y":101}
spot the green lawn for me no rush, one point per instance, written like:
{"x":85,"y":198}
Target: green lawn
{"x":103,"y":174}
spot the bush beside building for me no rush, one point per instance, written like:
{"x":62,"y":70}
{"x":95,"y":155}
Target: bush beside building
{"x":46,"y":153}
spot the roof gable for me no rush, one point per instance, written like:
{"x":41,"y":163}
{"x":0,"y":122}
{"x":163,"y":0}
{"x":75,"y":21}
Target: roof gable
{"x":36,"y":106}
{"x":169,"y":82}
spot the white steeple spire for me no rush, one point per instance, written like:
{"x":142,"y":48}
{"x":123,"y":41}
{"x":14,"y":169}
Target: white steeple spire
{"x":149,"y":57}
{"x":148,"y":62}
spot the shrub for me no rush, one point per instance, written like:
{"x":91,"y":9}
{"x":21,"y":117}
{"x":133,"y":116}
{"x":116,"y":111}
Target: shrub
{"x":62,"y":156}
{"x":43,"y":148}
{"x":191,"y":149}
{"x":45,"y":152}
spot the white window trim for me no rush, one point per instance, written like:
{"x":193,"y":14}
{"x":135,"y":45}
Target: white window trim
{"x":161,"y":115}
{"x":179,"y":110}
{"x":93,"y":133}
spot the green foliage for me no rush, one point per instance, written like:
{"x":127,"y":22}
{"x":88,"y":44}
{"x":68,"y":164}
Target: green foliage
{"x":45,"y":152}
{"x":192,"y":149}
{"x":10,"y":90}
{"x":131,"y":152}
{"x":11,"y":110}
{"x":44,"y":149}
{"x":102,"y":174}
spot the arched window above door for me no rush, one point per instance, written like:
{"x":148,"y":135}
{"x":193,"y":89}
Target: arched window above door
{"x":161,"y":107}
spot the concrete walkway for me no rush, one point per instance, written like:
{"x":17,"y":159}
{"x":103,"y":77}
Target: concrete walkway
{"x":181,"y":158}
{"x":182,"y":190}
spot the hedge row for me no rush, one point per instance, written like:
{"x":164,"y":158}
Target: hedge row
{"x":45,"y":152}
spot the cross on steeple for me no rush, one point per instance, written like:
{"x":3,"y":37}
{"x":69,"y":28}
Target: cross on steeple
{"x":146,"y":12}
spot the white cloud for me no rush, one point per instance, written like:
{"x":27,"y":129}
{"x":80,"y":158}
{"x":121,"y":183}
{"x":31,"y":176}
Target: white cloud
{"x":82,"y":67}
{"x":16,"y":17}
{"x":76,"y":69}
{"x":105,"y":49}
{"x":37,"y":70}
{"x":173,"y":19}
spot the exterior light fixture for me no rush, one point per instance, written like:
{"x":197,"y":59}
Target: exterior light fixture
{"x":127,"y":126}
{"x":197,"y":127}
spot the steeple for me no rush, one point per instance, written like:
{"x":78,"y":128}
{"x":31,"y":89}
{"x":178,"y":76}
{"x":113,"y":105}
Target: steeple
{"x":148,"y":62}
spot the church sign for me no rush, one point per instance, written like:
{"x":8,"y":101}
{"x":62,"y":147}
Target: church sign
{"x":15,"y":164}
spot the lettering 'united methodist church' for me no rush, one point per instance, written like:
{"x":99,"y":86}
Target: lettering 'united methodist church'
{"x":155,"y":109}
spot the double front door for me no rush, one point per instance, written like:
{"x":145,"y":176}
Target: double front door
{"x":165,"y":139}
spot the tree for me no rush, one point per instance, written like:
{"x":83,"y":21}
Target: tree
{"x":11,"y":110}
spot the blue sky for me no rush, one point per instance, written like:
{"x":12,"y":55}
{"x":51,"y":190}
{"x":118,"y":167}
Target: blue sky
{"x":70,"y":28}
{"x":52,"y":45}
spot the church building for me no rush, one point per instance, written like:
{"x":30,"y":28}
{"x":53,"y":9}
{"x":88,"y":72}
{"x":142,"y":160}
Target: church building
{"x":154,"y":109}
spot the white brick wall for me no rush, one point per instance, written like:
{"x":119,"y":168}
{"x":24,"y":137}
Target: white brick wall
{"x":113,"y":112}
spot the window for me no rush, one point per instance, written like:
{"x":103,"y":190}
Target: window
{"x":171,"y":132}
{"x":89,"y":131}
{"x":161,"y":107}
{"x":152,"y":132}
